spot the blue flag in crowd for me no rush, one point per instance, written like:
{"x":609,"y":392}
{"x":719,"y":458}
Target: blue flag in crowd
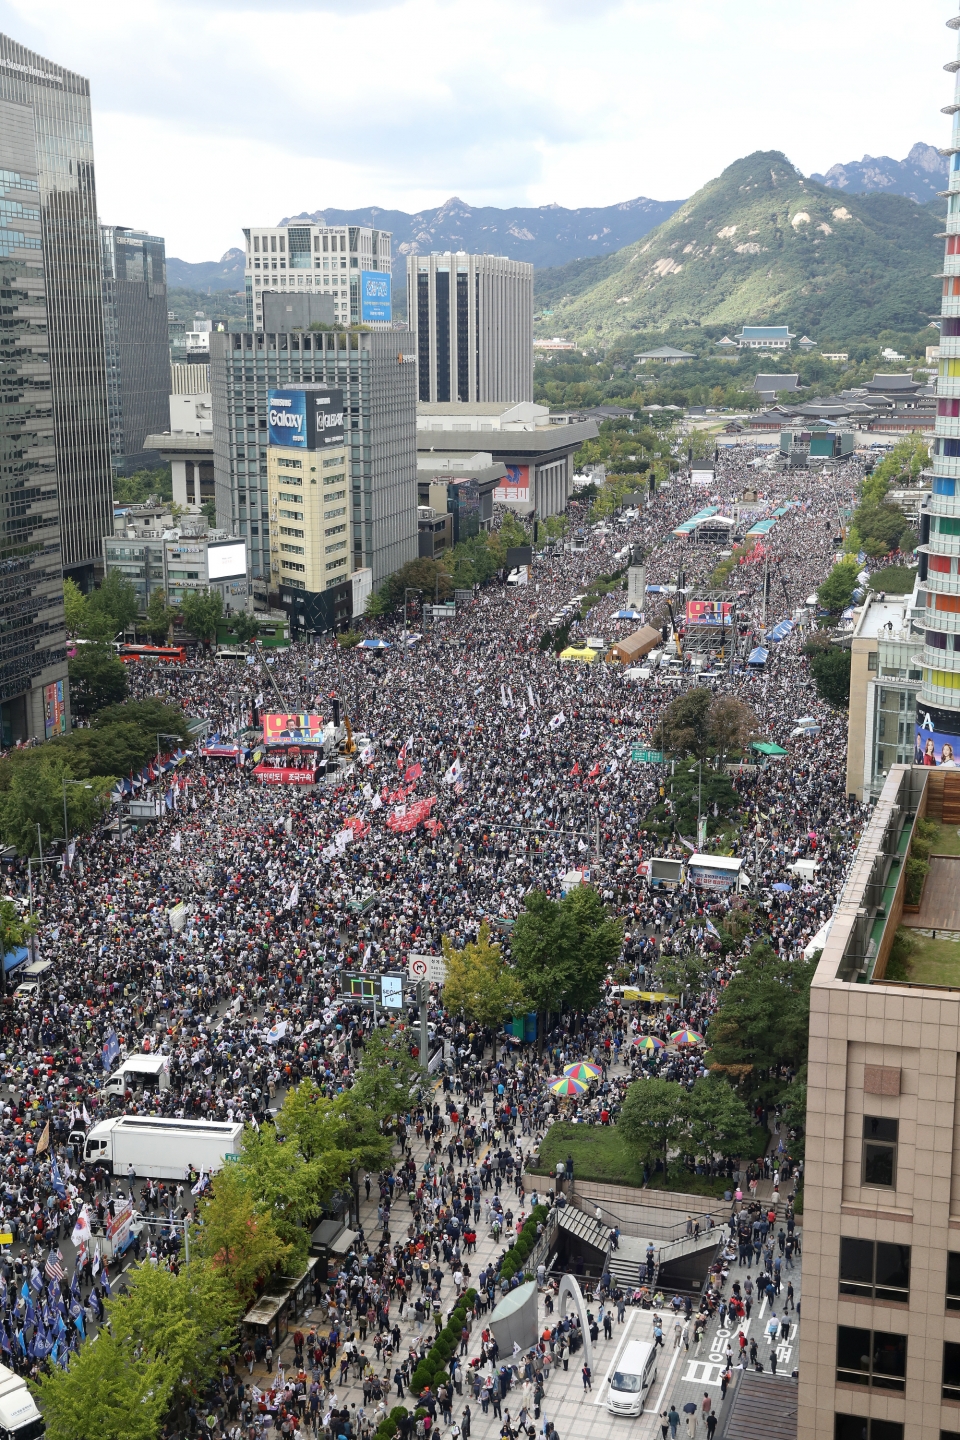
{"x":111,"y":1049}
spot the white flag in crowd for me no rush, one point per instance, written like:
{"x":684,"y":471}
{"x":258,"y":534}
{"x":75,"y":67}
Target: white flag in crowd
{"x":454,"y":773}
{"x":557,"y":721}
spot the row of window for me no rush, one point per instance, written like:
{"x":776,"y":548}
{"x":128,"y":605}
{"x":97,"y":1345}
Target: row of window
{"x":880,"y":1270}
{"x":877,"y":1359}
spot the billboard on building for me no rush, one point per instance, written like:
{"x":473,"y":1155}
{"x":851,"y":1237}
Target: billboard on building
{"x":54,"y":712}
{"x":297,"y":729}
{"x":936,"y":737}
{"x":307,"y":419}
{"x":375,"y":297}
{"x":226,"y":559}
{"x":515,"y":485}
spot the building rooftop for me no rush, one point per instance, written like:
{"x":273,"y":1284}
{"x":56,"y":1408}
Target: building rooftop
{"x":764,"y":332}
{"x":886,"y":384}
{"x":889,"y":615}
{"x":771,"y":384}
{"x":665,"y":352}
{"x":506,"y":442}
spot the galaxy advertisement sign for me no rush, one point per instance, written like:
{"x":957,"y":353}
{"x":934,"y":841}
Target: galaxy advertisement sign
{"x":936,"y":741}
{"x":515,"y":485}
{"x":305,"y":419}
{"x":376,"y":306}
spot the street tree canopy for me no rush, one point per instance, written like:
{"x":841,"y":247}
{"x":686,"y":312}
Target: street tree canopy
{"x":202,"y":613}
{"x":97,"y":679}
{"x":562,"y":950}
{"x":479,"y":985}
{"x":762,"y":1020}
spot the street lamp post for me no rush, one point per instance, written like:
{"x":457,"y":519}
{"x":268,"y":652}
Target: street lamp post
{"x":66,"y":827}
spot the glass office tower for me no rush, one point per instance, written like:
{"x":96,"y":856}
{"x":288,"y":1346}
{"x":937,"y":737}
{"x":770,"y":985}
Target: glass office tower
{"x":60,"y":102}
{"x":33,"y":663}
{"x":137,"y":343}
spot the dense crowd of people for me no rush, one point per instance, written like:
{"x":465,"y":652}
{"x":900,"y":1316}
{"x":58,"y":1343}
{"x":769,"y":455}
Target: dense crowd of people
{"x":525,"y":762}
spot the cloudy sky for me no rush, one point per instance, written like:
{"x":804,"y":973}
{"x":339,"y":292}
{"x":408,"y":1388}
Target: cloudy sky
{"x":210,"y":115}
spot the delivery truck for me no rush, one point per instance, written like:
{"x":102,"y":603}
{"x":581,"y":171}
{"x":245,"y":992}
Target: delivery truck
{"x":161,"y":1148}
{"x":19,"y":1417}
{"x":149,"y":1072}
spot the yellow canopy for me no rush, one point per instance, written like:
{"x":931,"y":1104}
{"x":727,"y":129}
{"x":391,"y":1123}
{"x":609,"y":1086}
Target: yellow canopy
{"x":583,"y":653}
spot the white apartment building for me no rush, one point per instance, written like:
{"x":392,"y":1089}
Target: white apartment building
{"x":349,"y":263}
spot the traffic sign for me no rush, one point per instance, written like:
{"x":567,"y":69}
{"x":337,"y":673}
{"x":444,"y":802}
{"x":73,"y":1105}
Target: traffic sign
{"x":646,"y":757}
{"x":427,"y":967}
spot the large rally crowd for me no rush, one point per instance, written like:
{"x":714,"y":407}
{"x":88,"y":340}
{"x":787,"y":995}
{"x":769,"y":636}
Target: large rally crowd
{"x":526,"y":761}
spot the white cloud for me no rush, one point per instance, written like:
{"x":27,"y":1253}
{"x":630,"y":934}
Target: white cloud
{"x":210,"y":115}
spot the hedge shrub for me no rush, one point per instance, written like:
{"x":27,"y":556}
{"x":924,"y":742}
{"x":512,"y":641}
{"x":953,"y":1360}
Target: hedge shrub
{"x":431,"y":1370}
{"x":526,"y":1240}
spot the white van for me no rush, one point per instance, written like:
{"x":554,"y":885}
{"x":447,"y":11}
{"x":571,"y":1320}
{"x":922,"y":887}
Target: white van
{"x":636,"y":1371}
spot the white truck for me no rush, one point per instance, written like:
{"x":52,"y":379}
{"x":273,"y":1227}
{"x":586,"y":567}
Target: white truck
{"x":19,"y":1417}
{"x":161,"y":1148}
{"x":151,"y":1072}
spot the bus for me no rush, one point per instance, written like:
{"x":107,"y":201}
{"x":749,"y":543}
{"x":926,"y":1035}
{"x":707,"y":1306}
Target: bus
{"x":168,"y":653}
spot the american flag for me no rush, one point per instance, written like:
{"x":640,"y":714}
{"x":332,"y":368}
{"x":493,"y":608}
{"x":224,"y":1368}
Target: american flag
{"x":54,"y":1266}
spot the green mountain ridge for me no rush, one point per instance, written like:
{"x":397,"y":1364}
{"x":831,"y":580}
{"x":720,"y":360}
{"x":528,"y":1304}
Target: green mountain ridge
{"x":760,"y":244}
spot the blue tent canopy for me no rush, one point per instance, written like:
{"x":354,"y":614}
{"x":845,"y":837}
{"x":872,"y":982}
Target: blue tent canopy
{"x":628,"y":615}
{"x":780,"y":631}
{"x":759,"y":656}
{"x":374,"y":644}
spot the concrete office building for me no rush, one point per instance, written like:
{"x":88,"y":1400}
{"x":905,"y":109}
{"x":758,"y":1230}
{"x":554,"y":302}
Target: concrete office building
{"x":309,"y":490}
{"x":472,"y":321}
{"x":34,"y":699}
{"x":153,"y":552}
{"x":378,"y":379}
{"x":884,"y":682}
{"x":136,"y":341}
{"x":60,"y":102}
{"x":349,"y":264}
{"x":537,"y":454}
{"x":880,"y":1339}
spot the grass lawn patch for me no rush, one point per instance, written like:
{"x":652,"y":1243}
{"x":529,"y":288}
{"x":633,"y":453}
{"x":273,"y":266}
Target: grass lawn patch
{"x":947,"y":841}
{"x":933,"y":962}
{"x":598,"y":1153}
{"x":686,"y":1183}
{"x":894,"y":580}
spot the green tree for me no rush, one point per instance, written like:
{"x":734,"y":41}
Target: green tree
{"x":110,"y":1391}
{"x":111,"y":609}
{"x":731,"y":723}
{"x":478,"y":984}
{"x":283,"y":1184}
{"x":35,"y":797}
{"x":151,"y":716}
{"x":716,"y":1122}
{"x":339,"y":1136}
{"x":246,"y":627}
{"x":762,"y":1020}
{"x":651,"y":1119}
{"x":830,"y":667}
{"x":237,"y":1239}
{"x":685,"y":725}
{"x":202,"y":613}
{"x":74,"y":607}
{"x":15,"y":931}
{"x":563,"y":949}
{"x":188,"y":1321}
{"x":159,"y":617}
{"x":836,"y":592}
{"x":97,"y":678}
{"x":430,"y":576}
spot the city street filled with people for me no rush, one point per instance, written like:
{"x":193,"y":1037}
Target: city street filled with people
{"x":484,"y":767}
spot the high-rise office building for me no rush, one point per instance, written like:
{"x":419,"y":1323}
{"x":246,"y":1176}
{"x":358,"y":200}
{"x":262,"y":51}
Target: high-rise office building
{"x":472,"y":319}
{"x":938,"y":703}
{"x":60,"y":102}
{"x":376,"y":375}
{"x":33,"y":661}
{"x":136,"y":341}
{"x":348,"y":263}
